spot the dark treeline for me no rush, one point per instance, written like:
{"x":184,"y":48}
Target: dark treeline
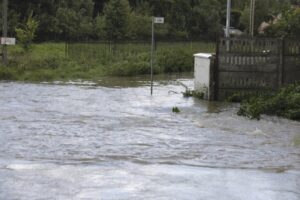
{"x":131,"y":19}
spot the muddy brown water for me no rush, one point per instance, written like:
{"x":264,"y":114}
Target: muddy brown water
{"x":112,"y":140}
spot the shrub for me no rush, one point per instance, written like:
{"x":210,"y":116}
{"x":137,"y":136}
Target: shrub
{"x":129,"y":68}
{"x":175,"y":110}
{"x":6,"y":74}
{"x":284,"y":103}
{"x":193,"y":93}
{"x":175,"y":61}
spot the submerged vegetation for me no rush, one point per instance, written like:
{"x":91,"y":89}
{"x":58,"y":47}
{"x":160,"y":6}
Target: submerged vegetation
{"x":283,"y":103}
{"x":175,"y":110}
{"x":193,"y":93}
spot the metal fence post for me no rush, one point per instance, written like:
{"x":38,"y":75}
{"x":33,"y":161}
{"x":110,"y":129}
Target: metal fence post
{"x":151,"y":59}
{"x":283,"y":62}
{"x":4,"y":30}
{"x":66,"y":49}
{"x":280,"y":62}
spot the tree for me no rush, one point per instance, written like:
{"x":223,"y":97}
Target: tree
{"x":287,"y":25}
{"x":75,"y":19}
{"x":122,"y":19}
{"x":116,"y":13}
{"x":139,"y":26}
{"x":205,"y":19}
{"x":99,"y":27}
{"x":264,"y":10}
{"x":178,"y":18}
{"x":26,"y":33}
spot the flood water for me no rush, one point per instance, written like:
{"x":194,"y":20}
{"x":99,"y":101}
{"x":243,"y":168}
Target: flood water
{"x":114,"y":141}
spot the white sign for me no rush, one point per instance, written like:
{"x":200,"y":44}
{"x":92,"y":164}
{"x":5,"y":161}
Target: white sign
{"x":159,"y":20}
{"x":8,"y":41}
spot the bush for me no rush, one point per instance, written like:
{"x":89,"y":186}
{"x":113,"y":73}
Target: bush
{"x":193,"y":93}
{"x":175,"y":61}
{"x":284,"y":103}
{"x":129,"y":68}
{"x":6,"y":73}
{"x":40,"y":75}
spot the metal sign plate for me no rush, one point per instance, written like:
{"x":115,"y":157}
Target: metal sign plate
{"x":8,"y":41}
{"x":159,"y":20}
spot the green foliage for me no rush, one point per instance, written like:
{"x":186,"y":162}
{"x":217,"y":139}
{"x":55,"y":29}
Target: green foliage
{"x":175,"y":110}
{"x":130,"y":59}
{"x":240,"y":96}
{"x":288,"y":24}
{"x":6,"y":73}
{"x":205,"y":19}
{"x":177,"y":60}
{"x":139,"y":26}
{"x":285,"y":103}
{"x":129,"y":68}
{"x":74,"y":19}
{"x":193,"y":93}
{"x":78,"y":19}
{"x":100,"y":27}
{"x":264,"y":10}
{"x":26,"y":33}
{"x":116,"y":13}
{"x":47,"y":62}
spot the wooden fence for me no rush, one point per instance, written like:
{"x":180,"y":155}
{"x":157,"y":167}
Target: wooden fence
{"x":252,"y":64}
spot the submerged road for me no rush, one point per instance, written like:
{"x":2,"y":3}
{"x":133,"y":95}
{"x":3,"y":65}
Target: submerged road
{"x":114,"y":141}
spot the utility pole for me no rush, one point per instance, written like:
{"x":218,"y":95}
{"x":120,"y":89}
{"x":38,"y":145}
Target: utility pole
{"x":4,"y":30}
{"x":228,"y":16}
{"x":227,"y":34}
{"x":252,"y":18}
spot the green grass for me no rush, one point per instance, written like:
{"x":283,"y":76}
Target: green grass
{"x":129,"y":59}
{"x":49,"y":62}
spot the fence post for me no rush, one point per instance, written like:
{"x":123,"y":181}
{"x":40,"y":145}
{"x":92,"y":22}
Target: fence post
{"x":67,"y":49}
{"x":280,"y":63}
{"x":283,"y":61}
{"x":216,"y":71}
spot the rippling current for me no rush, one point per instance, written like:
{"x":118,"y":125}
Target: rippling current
{"x":113,"y":140}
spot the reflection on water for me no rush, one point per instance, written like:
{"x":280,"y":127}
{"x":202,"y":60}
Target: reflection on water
{"x":112,"y":140}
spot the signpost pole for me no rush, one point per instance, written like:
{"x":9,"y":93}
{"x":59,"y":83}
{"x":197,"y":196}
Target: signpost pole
{"x":152,"y":52}
{"x":4,"y":28}
{"x":155,"y":20}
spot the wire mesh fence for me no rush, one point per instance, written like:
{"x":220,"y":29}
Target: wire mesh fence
{"x":105,"y":52}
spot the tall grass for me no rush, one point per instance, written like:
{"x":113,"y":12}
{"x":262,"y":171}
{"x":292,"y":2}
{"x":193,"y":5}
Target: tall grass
{"x":125,"y":59}
{"x":51,"y":61}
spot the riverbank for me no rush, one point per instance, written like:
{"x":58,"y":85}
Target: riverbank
{"x":51,"y":62}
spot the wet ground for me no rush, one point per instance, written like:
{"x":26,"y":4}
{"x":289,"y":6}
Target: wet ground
{"x":112,"y":140}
